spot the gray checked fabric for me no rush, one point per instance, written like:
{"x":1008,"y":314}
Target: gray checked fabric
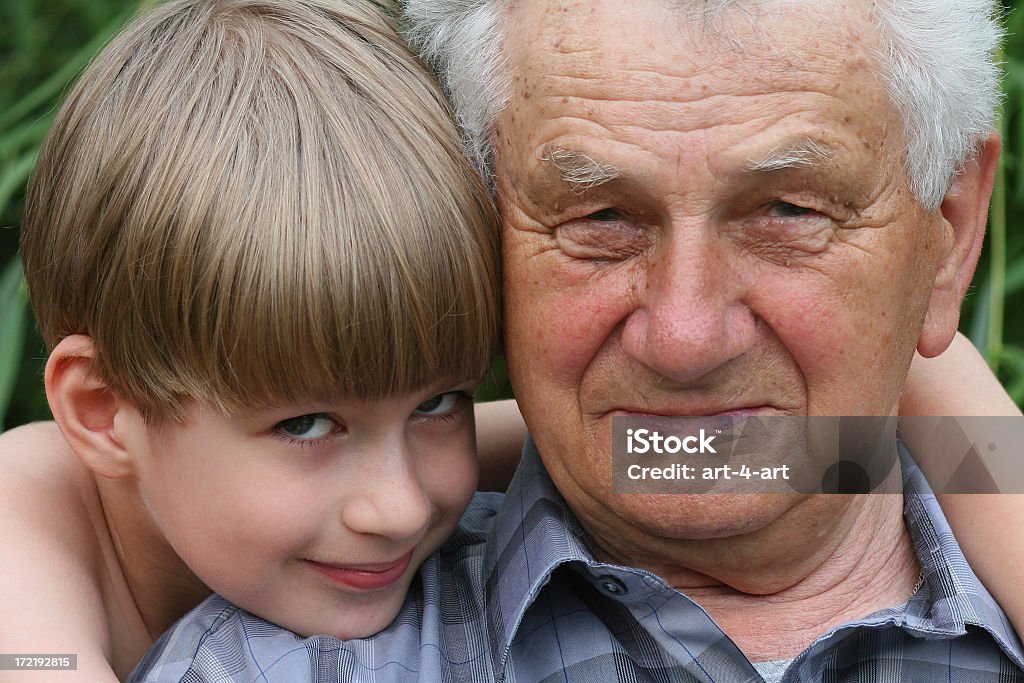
{"x":516,"y":596}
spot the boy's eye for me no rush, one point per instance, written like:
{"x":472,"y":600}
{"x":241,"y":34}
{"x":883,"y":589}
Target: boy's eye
{"x":438,"y":405}
{"x":307,"y":427}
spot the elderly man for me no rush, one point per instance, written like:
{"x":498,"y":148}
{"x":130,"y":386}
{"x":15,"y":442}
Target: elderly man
{"x":709,"y":208}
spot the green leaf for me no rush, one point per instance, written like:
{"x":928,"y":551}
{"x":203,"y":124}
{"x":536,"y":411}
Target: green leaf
{"x":1015,"y":277}
{"x":51,"y":86}
{"x":28,"y":135}
{"x":13,"y":180}
{"x":978,"y":331}
{"x":1013,"y":365}
{"x":12,"y":331}
{"x":496,"y":385}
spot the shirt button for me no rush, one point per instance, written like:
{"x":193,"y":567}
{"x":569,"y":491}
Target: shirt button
{"x":611,"y":585}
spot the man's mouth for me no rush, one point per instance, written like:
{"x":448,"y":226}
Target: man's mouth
{"x":696,"y":411}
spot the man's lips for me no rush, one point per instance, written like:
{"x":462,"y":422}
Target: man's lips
{"x":696,"y":411}
{"x":366,"y":577}
{"x":692,"y":417}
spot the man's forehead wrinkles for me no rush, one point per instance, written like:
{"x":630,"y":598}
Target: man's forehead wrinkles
{"x":717,"y":100}
{"x":565,"y":48}
{"x":686,"y":78}
{"x":621,"y":81}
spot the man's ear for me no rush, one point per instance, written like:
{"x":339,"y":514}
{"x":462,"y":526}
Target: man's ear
{"x":965,"y":210}
{"x":85,"y":408}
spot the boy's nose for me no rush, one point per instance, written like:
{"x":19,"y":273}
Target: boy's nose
{"x":391,"y":503}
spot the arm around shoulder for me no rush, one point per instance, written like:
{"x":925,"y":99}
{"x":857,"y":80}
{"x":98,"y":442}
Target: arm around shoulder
{"x":989,"y":527}
{"x":500,"y":434}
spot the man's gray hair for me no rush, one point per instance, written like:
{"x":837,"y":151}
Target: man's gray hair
{"x":937,"y":59}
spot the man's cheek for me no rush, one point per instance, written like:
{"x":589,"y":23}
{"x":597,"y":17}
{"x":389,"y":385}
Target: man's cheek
{"x":543,"y":334}
{"x":813,"y":320}
{"x":580,"y":318}
{"x":846,"y":341}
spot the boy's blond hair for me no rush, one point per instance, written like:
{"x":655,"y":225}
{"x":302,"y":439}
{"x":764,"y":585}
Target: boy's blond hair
{"x":257,"y":202}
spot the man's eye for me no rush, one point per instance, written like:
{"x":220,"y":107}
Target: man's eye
{"x":606,"y":216}
{"x":787,"y":210}
{"x":438,"y":405}
{"x":306,"y":427}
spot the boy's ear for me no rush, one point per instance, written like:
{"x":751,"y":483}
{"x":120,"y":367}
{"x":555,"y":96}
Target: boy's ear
{"x":965,"y":212}
{"x":85,"y":408}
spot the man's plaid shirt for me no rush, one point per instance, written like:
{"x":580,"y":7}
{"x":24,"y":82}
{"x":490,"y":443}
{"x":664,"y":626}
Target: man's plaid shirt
{"x":515,"y":595}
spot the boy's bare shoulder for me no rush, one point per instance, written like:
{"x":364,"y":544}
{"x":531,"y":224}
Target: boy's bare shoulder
{"x":35,"y":432}
{"x":51,"y":599}
{"x":47,"y":497}
{"x":37,"y":467}
{"x":35,"y":436}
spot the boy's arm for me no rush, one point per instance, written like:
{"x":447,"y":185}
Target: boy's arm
{"x":500,"y":433}
{"x":50,"y":602}
{"x":989,"y":527}
{"x":958,"y":382}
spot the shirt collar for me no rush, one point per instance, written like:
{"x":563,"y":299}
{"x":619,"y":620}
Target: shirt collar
{"x":953,"y":597}
{"x":534,"y":532}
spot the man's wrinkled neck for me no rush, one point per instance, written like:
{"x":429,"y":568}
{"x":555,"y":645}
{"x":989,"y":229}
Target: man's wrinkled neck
{"x":826,"y":561}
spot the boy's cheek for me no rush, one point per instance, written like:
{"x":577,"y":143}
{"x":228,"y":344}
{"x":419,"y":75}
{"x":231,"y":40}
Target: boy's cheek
{"x":455,"y":479}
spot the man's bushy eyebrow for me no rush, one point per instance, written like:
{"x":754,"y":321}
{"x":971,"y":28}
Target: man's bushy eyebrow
{"x":803,"y":153}
{"x":579,"y":170}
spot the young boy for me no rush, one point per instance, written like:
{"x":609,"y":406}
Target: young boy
{"x":268,"y":279}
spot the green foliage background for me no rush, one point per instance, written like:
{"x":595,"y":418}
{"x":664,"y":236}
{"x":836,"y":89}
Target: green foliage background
{"x":44,"y":44}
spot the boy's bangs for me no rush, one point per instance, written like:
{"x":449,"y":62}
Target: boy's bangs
{"x":361,"y":267}
{"x":364,"y":318}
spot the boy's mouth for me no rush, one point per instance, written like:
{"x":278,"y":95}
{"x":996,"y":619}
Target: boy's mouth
{"x":365,"y":577}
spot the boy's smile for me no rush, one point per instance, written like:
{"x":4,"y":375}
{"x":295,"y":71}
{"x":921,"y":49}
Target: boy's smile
{"x":367,"y":577}
{"x":315,"y":517}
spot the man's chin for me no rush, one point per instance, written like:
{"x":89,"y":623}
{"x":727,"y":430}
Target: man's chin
{"x":703,"y":516}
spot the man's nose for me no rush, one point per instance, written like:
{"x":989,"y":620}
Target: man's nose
{"x":690,"y":317}
{"x":391,"y":501}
